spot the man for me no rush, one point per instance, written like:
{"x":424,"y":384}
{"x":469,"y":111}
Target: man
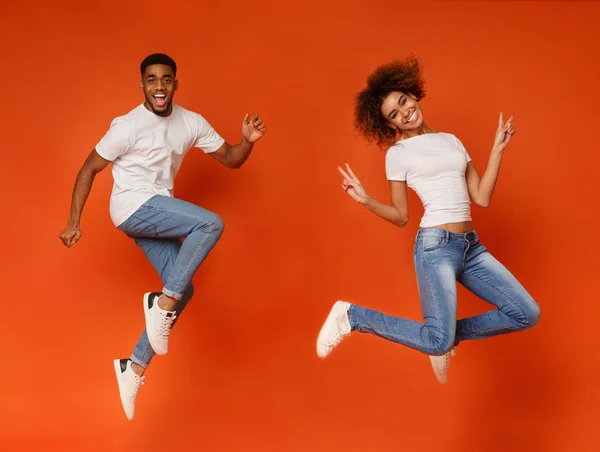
{"x":146,"y":148}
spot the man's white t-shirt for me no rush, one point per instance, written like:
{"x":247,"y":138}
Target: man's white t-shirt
{"x":434,"y":166}
{"x":146,"y":151}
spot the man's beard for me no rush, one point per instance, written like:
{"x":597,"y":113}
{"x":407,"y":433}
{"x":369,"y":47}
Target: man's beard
{"x":164,"y":112}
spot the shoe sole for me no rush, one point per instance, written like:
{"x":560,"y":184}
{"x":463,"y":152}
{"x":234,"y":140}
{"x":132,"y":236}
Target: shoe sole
{"x":147,"y":318}
{"x":117,"y":366}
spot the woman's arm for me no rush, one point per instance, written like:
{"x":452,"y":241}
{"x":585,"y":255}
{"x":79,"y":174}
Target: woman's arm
{"x":397,"y":213}
{"x":482,"y":189}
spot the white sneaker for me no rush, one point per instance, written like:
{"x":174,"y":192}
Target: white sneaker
{"x":158,"y":323}
{"x":129,"y":383}
{"x":441,"y":364}
{"x":335,"y":328}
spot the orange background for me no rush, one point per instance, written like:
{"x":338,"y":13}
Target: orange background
{"x":242,"y":373}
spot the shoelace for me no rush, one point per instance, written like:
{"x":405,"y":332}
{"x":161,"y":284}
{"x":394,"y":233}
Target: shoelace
{"x":447,"y":357}
{"x":165,"y":324}
{"x":336,"y":339}
{"x":138,"y":381}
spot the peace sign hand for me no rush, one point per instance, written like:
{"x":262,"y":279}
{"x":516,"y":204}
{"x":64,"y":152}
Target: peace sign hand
{"x":504,"y":133}
{"x":352,"y":185}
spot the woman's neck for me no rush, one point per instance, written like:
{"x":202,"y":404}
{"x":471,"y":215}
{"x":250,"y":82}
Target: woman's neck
{"x":416,"y":132}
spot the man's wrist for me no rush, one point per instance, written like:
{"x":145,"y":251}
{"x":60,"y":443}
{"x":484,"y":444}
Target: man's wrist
{"x":246,"y":142}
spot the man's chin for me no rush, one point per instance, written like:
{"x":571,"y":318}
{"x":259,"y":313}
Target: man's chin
{"x":163,"y":110}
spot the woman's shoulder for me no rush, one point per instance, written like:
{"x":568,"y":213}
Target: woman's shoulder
{"x":421,"y":140}
{"x":395,"y":149}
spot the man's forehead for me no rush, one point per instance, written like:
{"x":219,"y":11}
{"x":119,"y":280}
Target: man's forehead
{"x":159,"y":70}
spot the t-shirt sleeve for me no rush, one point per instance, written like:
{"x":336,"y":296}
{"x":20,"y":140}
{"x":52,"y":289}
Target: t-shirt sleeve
{"x":395,"y":166}
{"x":463,"y":150}
{"x":207,"y":138}
{"x":117,"y":141}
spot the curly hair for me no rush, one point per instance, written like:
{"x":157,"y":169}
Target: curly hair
{"x":399,"y":75}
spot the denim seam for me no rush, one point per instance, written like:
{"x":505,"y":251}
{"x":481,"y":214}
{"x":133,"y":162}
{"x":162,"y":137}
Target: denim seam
{"x":172,"y":258}
{"x":198,"y":249}
{"x":428,"y":282}
{"x":495,"y":289}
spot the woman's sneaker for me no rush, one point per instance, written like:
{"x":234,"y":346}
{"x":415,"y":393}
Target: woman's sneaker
{"x":335,"y":328}
{"x":441,"y":364}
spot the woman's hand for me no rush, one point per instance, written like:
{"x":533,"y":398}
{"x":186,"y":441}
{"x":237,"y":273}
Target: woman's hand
{"x":503,"y":134}
{"x":352,"y":185}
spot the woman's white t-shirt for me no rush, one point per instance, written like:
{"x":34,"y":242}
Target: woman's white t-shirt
{"x":433,"y":165}
{"x":146,"y":151}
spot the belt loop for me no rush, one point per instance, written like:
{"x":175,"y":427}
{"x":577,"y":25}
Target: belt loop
{"x":447,"y":236}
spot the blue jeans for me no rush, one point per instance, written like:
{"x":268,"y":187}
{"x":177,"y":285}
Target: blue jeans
{"x":441,"y":259}
{"x":157,"y":228}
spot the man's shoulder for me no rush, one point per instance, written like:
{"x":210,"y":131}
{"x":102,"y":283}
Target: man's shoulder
{"x":183,"y":112}
{"x":129,"y":118}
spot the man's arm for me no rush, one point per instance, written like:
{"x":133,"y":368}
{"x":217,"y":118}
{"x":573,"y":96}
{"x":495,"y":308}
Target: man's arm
{"x":236,"y":156}
{"x":83,"y":185}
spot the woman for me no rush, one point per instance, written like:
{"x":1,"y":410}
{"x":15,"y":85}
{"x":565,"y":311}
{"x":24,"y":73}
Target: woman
{"x":447,"y":248}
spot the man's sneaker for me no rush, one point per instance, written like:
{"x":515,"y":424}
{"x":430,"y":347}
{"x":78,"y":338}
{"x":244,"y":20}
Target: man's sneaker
{"x":158,"y":323}
{"x":335,"y":328}
{"x":441,"y":364}
{"x":129,"y":383}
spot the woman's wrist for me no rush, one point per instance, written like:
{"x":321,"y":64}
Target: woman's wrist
{"x":365,"y":201}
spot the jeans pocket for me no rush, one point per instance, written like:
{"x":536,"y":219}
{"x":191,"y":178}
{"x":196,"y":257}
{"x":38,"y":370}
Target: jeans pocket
{"x":138,"y":227}
{"x":432,"y":243}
